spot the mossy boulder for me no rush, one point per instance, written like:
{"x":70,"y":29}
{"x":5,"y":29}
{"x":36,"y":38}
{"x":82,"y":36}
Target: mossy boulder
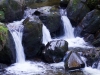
{"x":32,"y":38}
{"x":53,"y":22}
{"x":12,"y":10}
{"x":6,"y":55}
{"x":3,"y":35}
{"x":76,"y":10}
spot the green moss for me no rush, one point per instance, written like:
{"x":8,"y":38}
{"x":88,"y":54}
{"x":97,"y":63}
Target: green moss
{"x":2,"y":15}
{"x":74,"y":4}
{"x":3,"y":33}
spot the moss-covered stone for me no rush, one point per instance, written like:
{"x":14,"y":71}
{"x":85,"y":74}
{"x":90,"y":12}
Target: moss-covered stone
{"x":2,"y":17}
{"x":53,"y":23}
{"x":12,"y":10}
{"x":32,"y":38}
{"x":76,"y":10}
{"x":3,"y":35}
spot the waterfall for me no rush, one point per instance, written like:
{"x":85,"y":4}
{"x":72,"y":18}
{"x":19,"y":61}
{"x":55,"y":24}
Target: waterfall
{"x":46,"y":35}
{"x":68,"y":29}
{"x":16,"y":30}
{"x":69,"y":32}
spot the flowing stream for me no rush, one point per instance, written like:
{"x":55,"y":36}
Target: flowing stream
{"x":46,"y":35}
{"x":16,"y":30}
{"x":22,"y":67}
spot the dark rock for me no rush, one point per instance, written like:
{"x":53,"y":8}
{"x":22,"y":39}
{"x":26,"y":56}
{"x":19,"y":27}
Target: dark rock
{"x":12,"y":10}
{"x":97,"y":35}
{"x":89,"y":38}
{"x":76,"y":10}
{"x":55,"y":51}
{"x":78,"y":72}
{"x":37,"y":13}
{"x":89,"y":26}
{"x":92,"y":4}
{"x":73,"y":61}
{"x":6,"y":55}
{"x":53,"y":23}
{"x":2,"y":66}
{"x":11,"y":47}
{"x":32,"y":38}
{"x":96,"y":42}
{"x":63,"y":4}
{"x":92,"y":56}
{"x":91,"y":22}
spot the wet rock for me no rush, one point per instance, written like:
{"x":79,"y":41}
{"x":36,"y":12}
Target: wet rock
{"x":63,"y":4}
{"x":55,"y":51}
{"x":91,"y":25}
{"x":6,"y":55}
{"x":2,"y":66}
{"x":73,"y":61}
{"x":76,"y":10}
{"x":89,"y":38}
{"x":92,"y":56}
{"x":53,"y":22}
{"x":12,"y":10}
{"x":37,"y":13}
{"x":32,"y":38}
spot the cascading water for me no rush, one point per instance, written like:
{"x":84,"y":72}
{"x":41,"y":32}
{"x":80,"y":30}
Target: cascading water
{"x":38,"y":68}
{"x":46,"y":35}
{"x":16,"y":30}
{"x":68,"y":29}
{"x":69,"y":32}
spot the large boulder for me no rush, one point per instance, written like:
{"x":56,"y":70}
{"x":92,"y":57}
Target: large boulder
{"x":76,"y":10}
{"x":6,"y":55}
{"x":89,"y":26}
{"x":55,"y":51}
{"x":53,"y":22}
{"x":32,"y":38}
{"x":91,"y":22}
{"x":11,"y":9}
{"x":73,"y":61}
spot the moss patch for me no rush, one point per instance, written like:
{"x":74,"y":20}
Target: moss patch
{"x":2,"y":15}
{"x":3,"y":34}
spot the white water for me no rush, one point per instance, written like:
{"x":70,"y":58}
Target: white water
{"x":68,"y":29}
{"x":39,"y":68}
{"x":69,"y":32}
{"x":16,"y":30}
{"x":46,"y":35}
